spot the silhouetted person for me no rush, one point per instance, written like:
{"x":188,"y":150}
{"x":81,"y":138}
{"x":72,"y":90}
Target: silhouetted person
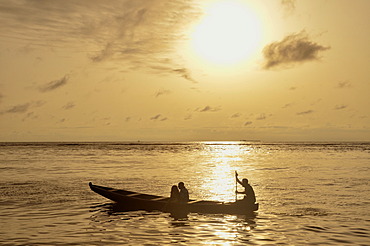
{"x":248,"y":192}
{"x":184,"y":193}
{"x":175,"y":194}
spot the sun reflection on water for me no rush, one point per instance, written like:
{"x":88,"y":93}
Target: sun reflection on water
{"x":226,"y":229}
{"x":223,"y":159}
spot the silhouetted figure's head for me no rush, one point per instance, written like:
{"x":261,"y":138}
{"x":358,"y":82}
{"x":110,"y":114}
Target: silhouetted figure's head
{"x":181,"y":185}
{"x":174,"y":188}
{"x":245,"y":182}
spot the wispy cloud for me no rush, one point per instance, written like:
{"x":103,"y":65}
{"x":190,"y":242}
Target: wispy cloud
{"x":22,"y":108}
{"x":236,"y":115}
{"x":344,"y":84}
{"x":183,"y":72}
{"x":143,"y":35}
{"x":261,"y":117}
{"x":158,"y":117}
{"x":340,"y":107}
{"x":289,"y":5}
{"x":188,"y":117}
{"x":208,"y":109}
{"x":287,"y":105}
{"x":139,"y":34}
{"x":162,"y":92}
{"x":305,"y":112}
{"x":293,"y":49}
{"x":30,"y":115}
{"x":69,"y":105}
{"x":167,"y":67}
{"x":104,"y":54}
{"x":55,"y":84}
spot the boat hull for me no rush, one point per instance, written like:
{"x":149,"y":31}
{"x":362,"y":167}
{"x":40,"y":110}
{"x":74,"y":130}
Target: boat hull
{"x":138,"y":201}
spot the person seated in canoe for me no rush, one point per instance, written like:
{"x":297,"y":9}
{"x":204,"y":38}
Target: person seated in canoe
{"x":175,"y":194}
{"x":184,"y":193}
{"x":249,"y":196}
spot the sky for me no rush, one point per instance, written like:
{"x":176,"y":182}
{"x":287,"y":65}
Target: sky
{"x":183,"y":70}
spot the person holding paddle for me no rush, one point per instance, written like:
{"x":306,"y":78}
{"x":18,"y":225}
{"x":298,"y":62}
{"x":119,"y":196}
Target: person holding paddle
{"x":249,"y":196}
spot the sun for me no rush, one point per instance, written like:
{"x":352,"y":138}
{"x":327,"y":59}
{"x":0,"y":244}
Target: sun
{"x":229,"y":33}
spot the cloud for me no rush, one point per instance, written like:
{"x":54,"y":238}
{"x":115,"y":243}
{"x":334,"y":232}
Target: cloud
{"x":183,"y":72}
{"x":236,"y":115}
{"x":69,"y":106}
{"x":293,"y":49}
{"x":168,"y":69}
{"x":162,"y":92}
{"x":144,"y":36}
{"x":30,"y":115}
{"x":158,"y":117}
{"x":22,"y":108}
{"x":344,"y":84}
{"x":287,"y":105}
{"x":188,"y":117}
{"x":340,"y":107}
{"x":261,"y":117}
{"x":55,"y":84}
{"x":305,"y":112}
{"x":104,"y":54}
{"x":208,"y":109}
{"x":138,"y":34}
{"x":289,"y":5}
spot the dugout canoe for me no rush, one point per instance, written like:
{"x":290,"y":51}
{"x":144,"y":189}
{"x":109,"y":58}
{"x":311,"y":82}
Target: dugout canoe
{"x":139,"y":201}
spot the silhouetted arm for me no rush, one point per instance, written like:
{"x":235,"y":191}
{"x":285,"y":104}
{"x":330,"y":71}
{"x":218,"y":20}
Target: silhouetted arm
{"x":237,"y":179}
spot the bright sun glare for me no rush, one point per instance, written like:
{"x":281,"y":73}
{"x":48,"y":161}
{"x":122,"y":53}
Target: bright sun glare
{"x":229,"y":33}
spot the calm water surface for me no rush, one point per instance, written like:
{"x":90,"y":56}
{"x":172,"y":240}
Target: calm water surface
{"x":309,"y":193}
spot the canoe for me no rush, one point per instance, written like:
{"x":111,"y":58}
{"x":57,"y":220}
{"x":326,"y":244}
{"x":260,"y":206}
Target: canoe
{"x":138,"y":201}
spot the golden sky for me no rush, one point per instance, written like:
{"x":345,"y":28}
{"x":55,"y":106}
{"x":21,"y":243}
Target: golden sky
{"x":127,"y":70}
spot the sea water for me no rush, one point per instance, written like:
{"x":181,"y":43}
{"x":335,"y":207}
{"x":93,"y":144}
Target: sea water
{"x":309,"y":193}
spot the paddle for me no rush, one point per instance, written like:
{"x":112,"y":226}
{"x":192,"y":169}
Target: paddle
{"x":236,"y":186}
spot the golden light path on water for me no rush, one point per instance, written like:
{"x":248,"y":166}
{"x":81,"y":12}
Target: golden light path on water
{"x":223,"y":159}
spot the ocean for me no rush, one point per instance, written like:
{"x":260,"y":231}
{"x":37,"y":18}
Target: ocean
{"x":309,"y":193}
